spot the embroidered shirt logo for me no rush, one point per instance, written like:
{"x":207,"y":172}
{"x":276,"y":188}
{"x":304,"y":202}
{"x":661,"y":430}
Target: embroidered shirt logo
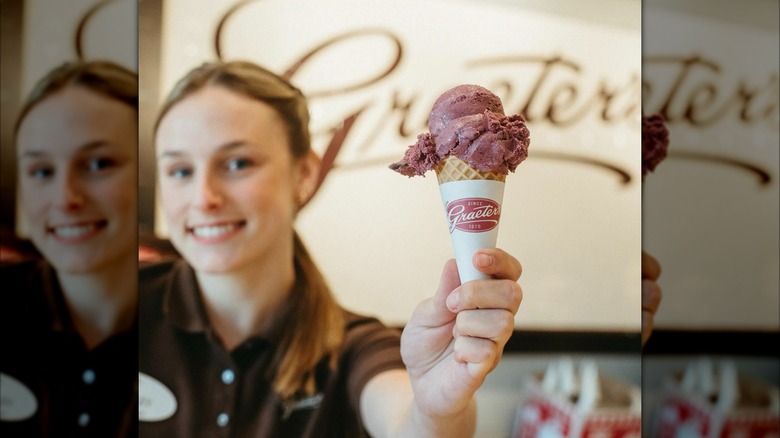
{"x":310,"y":402}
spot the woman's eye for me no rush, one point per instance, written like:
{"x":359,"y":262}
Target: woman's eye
{"x":41,"y":172}
{"x":179,"y":172}
{"x":238,"y":164}
{"x":98,"y":164}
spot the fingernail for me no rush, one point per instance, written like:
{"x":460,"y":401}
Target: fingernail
{"x":484,"y":260}
{"x":453,"y":300}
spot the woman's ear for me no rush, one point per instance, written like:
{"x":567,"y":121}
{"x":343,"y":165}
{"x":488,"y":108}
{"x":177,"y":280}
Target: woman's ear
{"x":308,"y":177}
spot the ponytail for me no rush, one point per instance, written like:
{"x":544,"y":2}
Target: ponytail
{"x":313,"y":331}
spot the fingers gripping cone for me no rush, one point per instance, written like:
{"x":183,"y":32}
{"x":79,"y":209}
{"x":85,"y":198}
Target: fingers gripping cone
{"x":472,"y":205}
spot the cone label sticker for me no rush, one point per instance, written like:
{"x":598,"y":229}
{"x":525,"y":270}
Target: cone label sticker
{"x":472,"y":209}
{"x":473,"y":215}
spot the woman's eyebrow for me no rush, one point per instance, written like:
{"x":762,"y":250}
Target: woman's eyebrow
{"x":172,"y":154}
{"x":37,"y":153}
{"x":94,"y":145}
{"x":176,"y":153}
{"x":235,"y":144}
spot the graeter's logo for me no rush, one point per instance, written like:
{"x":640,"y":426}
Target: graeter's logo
{"x":473,"y":215}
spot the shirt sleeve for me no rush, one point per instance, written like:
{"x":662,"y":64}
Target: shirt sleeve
{"x":370,"y":348}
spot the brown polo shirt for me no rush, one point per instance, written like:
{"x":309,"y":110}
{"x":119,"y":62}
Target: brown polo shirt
{"x":190,"y":386}
{"x":52,"y":386}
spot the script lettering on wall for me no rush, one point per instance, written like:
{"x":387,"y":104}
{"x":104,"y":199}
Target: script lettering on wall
{"x":703,"y":95}
{"x":553,"y":89}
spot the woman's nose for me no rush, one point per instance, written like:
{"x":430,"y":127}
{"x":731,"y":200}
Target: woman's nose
{"x":208,"y":194}
{"x":72,"y":193}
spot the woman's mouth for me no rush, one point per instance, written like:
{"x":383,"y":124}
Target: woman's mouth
{"x":214,"y":233}
{"x":78,"y":232}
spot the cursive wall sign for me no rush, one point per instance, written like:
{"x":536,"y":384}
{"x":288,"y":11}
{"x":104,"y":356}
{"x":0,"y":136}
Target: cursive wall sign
{"x":700,"y":93}
{"x":703,"y":94}
{"x":553,"y":89}
{"x":82,"y":24}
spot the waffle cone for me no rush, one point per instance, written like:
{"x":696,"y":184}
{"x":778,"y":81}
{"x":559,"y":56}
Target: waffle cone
{"x":453,"y":168}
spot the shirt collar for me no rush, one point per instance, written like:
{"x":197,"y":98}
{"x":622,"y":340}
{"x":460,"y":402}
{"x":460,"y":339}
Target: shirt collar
{"x":54,"y":298}
{"x":183,"y":305}
{"x":59,"y":317}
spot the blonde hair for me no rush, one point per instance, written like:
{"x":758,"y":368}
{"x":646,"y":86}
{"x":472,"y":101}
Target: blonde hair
{"x":315,"y":328}
{"x":102,"y":77}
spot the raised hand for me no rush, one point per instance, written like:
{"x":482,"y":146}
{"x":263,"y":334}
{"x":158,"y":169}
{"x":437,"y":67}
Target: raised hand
{"x":455,"y":338}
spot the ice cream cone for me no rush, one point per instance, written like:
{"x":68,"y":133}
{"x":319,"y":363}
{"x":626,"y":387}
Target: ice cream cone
{"x":453,"y":168}
{"x":472,"y":204}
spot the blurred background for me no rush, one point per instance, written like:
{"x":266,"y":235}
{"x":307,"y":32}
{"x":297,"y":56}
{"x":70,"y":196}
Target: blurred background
{"x":710,"y":211}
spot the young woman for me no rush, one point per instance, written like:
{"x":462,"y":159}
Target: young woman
{"x":69,"y":321}
{"x":242,"y":337}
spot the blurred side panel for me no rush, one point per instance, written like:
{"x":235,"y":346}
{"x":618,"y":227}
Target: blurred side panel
{"x":149,"y":34}
{"x":710,"y":217}
{"x":11,"y":19}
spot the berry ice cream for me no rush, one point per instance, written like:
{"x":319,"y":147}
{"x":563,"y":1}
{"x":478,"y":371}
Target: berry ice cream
{"x":655,"y":142}
{"x":468,"y":122}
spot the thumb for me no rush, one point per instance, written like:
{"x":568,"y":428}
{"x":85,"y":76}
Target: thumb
{"x":433,"y":311}
{"x":449,"y":281}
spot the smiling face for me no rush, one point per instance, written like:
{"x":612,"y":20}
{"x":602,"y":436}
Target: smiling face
{"x":228,"y":181}
{"x":77,"y":155}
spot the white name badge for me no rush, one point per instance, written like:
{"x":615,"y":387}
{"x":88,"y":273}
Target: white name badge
{"x":17,"y":402}
{"x":155,"y":401}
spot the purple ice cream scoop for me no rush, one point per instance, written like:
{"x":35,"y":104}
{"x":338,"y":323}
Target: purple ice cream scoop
{"x":655,"y":142}
{"x":468,"y":122}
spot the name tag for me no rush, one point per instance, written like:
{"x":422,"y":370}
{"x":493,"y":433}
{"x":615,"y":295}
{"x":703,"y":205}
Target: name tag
{"x":155,"y":401}
{"x":17,"y":401}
